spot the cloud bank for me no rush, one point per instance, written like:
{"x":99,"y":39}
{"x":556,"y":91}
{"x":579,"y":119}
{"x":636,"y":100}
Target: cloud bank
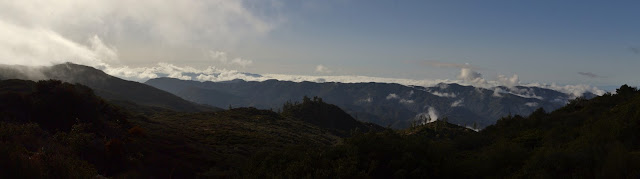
{"x":215,"y":74}
{"x":49,"y":32}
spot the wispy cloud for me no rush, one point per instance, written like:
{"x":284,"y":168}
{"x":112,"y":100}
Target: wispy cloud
{"x":444,"y":94}
{"x":323,"y":69}
{"x":457,"y":103}
{"x":221,"y":57}
{"x":634,"y":50}
{"x":446,"y":64}
{"x":589,"y":74}
{"x":392,"y":96}
{"x":531,"y":104}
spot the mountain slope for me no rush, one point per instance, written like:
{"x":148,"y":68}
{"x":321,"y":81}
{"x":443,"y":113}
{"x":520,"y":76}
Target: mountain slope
{"x":595,"y":138}
{"x":104,"y":85}
{"x":327,"y":116}
{"x":380,"y":103}
{"x":53,"y":129}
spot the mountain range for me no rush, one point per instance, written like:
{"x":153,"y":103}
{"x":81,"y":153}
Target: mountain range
{"x":55,"y":129}
{"x":385,"y":104}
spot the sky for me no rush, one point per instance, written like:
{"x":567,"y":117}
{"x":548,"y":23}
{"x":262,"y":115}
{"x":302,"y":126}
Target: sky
{"x":416,"y":42}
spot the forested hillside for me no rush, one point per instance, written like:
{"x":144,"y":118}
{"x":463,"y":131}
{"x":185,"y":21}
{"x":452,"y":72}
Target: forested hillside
{"x":52,"y":129}
{"x":595,"y":138}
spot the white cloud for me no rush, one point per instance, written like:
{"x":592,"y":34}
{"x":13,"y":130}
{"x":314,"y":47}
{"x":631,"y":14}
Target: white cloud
{"x":392,"y":96}
{"x":447,"y":95}
{"x":523,"y":92}
{"x":38,"y":46}
{"x":430,"y":116}
{"x":37,"y":32}
{"x":497,"y":91}
{"x":433,"y":114}
{"x":457,"y":103}
{"x":509,"y":81}
{"x":216,"y":74}
{"x":574,"y":90}
{"x":470,"y":76}
{"x":531,"y":104}
{"x":471,"y":127}
{"x":366,"y":100}
{"x":406,"y":101}
{"x":322,"y":69}
{"x":221,"y":57}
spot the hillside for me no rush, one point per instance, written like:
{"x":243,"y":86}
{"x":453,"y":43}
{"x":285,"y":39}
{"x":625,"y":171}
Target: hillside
{"x":106,"y":86}
{"x":53,"y":129}
{"x":326,"y":116}
{"x":50,"y":129}
{"x":595,"y":138}
{"x":380,"y":103}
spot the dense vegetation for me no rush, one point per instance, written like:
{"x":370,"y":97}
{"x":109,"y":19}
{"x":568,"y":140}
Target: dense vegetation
{"x":585,"y":139}
{"x":52,"y":129}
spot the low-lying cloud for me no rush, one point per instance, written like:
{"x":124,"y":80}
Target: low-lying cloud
{"x":221,"y":74}
{"x":457,"y":103}
{"x":444,"y":94}
{"x":392,"y":96}
{"x":531,"y":104}
{"x":323,"y":69}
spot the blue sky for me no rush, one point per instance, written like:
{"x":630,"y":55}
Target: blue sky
{"x":545,"y":41}
{"x":564,"y":42}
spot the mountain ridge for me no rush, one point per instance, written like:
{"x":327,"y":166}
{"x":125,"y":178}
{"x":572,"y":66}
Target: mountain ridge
{"x":385,"y":104}
{"x":104,"y":85}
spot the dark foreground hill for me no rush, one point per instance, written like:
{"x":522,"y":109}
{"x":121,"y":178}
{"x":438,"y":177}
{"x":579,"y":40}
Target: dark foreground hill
{"x":106,"y":86}
{"x":384,"y":104}
{"x":52,"y":129}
